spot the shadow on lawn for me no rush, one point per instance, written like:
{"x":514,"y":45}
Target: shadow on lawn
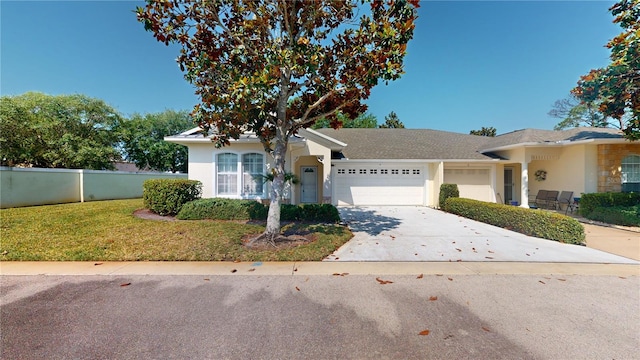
{"x":368,"y":221}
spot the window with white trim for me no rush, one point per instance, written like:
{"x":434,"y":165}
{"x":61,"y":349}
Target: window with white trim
{"x":252,"y":169}
{"x":352,"y":171}
{"x":631,"y":173}
{"x":227,"y":166}
{"x":405,"y":171}
{"x":394,"y":171}
{"x":341,"y":171}
{"x":416,"y":171}
{"x":240,"y":175}
{"x":384,"y":171}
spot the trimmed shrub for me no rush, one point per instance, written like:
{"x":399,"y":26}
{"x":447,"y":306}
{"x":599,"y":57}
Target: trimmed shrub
{"x":447,"y":191}
{"x":167,"y":196}
{"x":324,"y":213}
{"x":235,"y":209}
{"x":618,"y":215}
{"x":223,"y":209}
{"x":538,"y":223}
{"x":590,"y":202}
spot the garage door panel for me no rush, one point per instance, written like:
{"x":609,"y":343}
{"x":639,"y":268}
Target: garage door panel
{"x":472,"y":183}
{"x":376,"y":185}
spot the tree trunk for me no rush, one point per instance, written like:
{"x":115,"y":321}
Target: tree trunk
{"x":277,"y":187}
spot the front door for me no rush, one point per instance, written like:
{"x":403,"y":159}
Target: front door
{"x":508,"y":185}
{"x":309,"y":184}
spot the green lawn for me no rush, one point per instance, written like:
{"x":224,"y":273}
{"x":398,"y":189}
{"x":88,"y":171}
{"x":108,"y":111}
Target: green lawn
{"x":108,"y":231}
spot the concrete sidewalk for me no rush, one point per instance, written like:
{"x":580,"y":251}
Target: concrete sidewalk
{"x":312,"y":268}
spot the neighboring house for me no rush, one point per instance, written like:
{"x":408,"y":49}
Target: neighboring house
{"x":407,"y":166}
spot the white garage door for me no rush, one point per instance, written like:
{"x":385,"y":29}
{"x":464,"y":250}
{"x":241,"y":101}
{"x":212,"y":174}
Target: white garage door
{"x":472,"y":183}
{"x":377,"y":184}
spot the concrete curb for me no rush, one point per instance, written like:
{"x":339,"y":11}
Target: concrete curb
{"x":313,"y":268}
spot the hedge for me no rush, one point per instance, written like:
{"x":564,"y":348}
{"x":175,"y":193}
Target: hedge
{"x":235,"y":209}
{"x":447,"y":191}
{"x":167,"y":196}
{"x":590,"y":202}
{"x":618,"y":215}
{"x":538,"y":223}
{"x":223,"y":209}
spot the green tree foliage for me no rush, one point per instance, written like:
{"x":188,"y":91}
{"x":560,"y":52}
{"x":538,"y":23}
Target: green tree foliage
{"x":616,"y":88}
{"x":391,"y":121}
{"x":63,"y":131}
{"x":276,"y":66}
{"x":143,"y":140}
{"x":366,"y":120}
{"x":485,"y":131}
{"x":574,"y":113}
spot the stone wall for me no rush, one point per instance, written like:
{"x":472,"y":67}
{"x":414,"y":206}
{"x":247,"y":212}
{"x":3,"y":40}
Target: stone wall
{"x":610,"y":164}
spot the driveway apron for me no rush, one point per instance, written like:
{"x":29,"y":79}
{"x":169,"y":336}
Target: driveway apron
{"x":408,"y":233}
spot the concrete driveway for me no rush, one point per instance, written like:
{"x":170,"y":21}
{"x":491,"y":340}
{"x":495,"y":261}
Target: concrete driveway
{"x":407,"y":233}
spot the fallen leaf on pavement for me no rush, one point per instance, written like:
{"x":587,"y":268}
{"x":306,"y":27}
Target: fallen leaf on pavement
{"x":424,"y":332}
{"x":622,"y":277}
{"x":234,"y":270}
{"x":433,"y":298}
{"x":420,"y":276}
{"x":450,"y":279}
{"x":490,"y":252}
{"x":485,"y":329}
{"x":206,"y":279}
{"x":236,"y":261}
{"x":488,"y":257}
{"x":562,"y":279}
{"x":125,"y":284}
{"x":383,"y":282}
{"x":97,"y":264}
{"x":297,"y":288}
{"x":438,"y":274}
{"x":458,"y":249}
{"x":252,"y":269}
{"x":541,"y":282}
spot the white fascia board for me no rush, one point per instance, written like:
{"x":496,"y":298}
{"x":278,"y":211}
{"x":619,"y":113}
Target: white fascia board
{"x":340,"y":144}
{"x":488,"y":161}
{"x":555,"y":144}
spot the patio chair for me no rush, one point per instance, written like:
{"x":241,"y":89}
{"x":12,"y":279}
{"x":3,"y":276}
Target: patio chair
{"x":552,"y":199}
{"x":540,"y":199}
{"x":564,"y":199}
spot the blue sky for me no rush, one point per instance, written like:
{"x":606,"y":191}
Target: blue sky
{"x":470,"y":64}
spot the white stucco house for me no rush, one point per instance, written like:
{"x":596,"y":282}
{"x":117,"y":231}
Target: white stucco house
{"x":407,"y":166}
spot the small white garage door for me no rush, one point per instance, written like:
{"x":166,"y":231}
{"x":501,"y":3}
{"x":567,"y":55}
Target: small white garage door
{"x":472,"y":183}
{"x":365,"y":184}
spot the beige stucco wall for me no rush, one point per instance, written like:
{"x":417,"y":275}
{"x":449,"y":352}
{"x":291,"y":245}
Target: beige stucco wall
{"x":202,"y":159}
{"x":435,"y":177}
{"x":610,"y":164}
{"x":312,"y":154}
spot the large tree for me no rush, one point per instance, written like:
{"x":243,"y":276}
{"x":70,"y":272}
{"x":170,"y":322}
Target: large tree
{"x":616,"y":88}
{"x":63,"y":131}
{"x":365,"y":120}
{"x":573,"y":113}
{"x":392,"y":121}
{"x":273,"y":67}
{"x":143,"y":140}
{"x":485,"y":131}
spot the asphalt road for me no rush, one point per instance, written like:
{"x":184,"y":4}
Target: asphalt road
{"x":320,"y":317}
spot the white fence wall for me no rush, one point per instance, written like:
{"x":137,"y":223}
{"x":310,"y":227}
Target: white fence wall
{"x":34,"y":186}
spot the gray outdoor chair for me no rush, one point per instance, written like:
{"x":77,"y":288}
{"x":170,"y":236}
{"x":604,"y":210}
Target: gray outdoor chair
{"x":564,"y":199}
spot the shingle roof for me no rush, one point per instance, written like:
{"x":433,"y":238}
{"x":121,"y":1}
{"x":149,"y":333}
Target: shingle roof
{"x":444,"y":145}
{"x":527,"y":136}
{"x":408,"y":144}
